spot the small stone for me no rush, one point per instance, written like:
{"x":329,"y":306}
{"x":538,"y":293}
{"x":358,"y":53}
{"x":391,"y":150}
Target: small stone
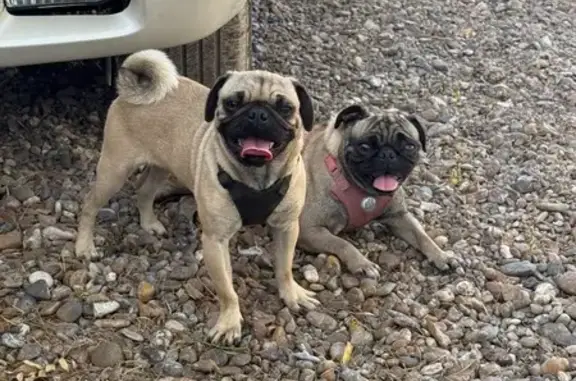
{"x":161,"y":338}
{"x":38,"y":290}
{"x":12,"y":340}
{"x":172,"y":368}
{"x":571,"y":310}
{"x":132,"y":335}
{"x":183,"y":272}
{"x":337,"y":350}
{"x":530,"y":342}
{"x":34,"y":241}
{"x":153,"y":354}
{"x":11,"y":240}
{"x":519,"y":269}
{"x":241,"y":359}
{"x":371,"y":25}
{"x":175,"y":326}
{"x":432,"y":369}
{"x":41,"y":275}
{"x":101,"y":309}
{"x":348,"y":374}
{"x":524,"y":184}
{"x":78,"y":279}
{"x":571,"y":349}
{"x":70,"y":311}
{"x":465,"y":288}
{"x":29,"y":352}
{"x":321,"y":320}
{"x":205,"y":366}
{"x":145,"y":292}
{"x":440,"y":65}
{"x":188,"y":355}
{"x":442,"y":339}
{"x":445,"y":296}
{"x":544,"y":293}
{"x":360,"y":337}
{"x":22,"y":193}
{"x":554,"y":365}
{"x":558,"y":333}
{"x":107,"y":354}
{"x":53,"y":233}
{"x":112,"y":323}
{"x":310,"y":274}
{"x":567,"y":282}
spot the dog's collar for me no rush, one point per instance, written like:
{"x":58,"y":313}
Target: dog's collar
{"x":360,"y":207}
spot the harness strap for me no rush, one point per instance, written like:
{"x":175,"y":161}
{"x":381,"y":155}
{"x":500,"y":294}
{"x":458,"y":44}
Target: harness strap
{"x":254,"y":205}
{"x":353,"y":198}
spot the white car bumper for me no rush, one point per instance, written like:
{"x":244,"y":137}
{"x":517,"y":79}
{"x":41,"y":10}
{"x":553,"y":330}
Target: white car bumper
{"x":26,"y":40}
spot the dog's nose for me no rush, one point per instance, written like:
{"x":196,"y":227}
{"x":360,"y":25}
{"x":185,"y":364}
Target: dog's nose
{"x":258,"y":115}
{"x":388,"y":154}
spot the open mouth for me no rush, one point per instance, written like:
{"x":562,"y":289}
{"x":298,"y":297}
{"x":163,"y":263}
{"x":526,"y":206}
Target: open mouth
{"x":386,"y":183}
{"x":252,"y":146}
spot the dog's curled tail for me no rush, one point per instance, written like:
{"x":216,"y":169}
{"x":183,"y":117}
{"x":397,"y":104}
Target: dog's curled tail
{"x":146,"y":77}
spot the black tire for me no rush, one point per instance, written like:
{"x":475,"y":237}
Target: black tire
{"x":229,"y":48}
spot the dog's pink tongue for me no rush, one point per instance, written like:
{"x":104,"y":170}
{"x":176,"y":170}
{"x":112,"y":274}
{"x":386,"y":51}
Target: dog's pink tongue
{"x":385,"y":183}
{"x":256,"y":147}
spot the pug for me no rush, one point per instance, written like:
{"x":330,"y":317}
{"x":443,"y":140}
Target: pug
{"x":236,"y":147}
{"x":356,"y":165}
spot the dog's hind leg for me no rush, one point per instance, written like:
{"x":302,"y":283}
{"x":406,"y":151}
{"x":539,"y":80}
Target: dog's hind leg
{"x":146,"y":193}
{"x":111,"y":173}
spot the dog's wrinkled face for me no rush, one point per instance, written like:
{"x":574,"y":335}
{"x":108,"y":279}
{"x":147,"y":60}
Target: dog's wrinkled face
{"x":258,"y":114}
{"x":378,"y":152}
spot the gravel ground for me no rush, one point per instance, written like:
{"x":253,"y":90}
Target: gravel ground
{"x":497,"y":81}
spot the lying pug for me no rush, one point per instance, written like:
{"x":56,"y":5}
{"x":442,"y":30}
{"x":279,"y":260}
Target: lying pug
{"x":236,"y":146}
{"x":356,"y":165}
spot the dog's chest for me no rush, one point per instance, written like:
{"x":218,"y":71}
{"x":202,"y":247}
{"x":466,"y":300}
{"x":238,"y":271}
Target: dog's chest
{"x":254,"y":205}
{"x":360,"y":207}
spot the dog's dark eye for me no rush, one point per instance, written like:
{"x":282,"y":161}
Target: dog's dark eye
{"x":364,"y":148}
{"x":410,"y":146}
{"x":233,"y":103}
{"x":284,"y":108}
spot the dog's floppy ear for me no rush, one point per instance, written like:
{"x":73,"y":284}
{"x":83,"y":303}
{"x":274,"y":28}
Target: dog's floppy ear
{"x":418,"y":122}
{"x":350,"y":114}
{"x":212,"y":101}
{"x":306,"y":106}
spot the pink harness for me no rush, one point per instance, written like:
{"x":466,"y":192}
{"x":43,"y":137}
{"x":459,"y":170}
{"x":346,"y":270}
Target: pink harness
{"x":360,"y":207}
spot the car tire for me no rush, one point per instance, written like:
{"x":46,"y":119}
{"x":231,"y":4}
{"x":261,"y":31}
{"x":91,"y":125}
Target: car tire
{"x":229,"y":48}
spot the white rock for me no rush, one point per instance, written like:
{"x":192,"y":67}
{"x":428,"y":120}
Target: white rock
{"x":465,"y":288}
{"x":432,"y":369}
{"x":34,"y":241}
{"x":445,"y":295}
{"x":111,"y":277}
{"x":53,"y":234}
{"x":41,"y":275}
{"x":429,"y":207}
{"x":175,"y":326}
{"x":544,"y":293}
{"x":253,"y":251}
{"x":310,"y":274}
{"x":105,"y":308}
{"x":571,"y":349}
{"x":371,"y":25}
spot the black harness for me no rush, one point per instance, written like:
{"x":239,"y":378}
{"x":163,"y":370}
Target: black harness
{"x":253,"y":205}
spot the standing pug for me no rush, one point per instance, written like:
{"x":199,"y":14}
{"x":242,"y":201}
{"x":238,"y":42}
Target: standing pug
{"x":356,"y":165}
{"x":236,"y":146}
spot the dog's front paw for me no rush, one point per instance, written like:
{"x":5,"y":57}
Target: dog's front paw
{"x":361,"y":265}
{"x":295,"y":296}
{"x":228,"y":328}
{"x":85,"y":248}
{"x":446,"y":260}
{"x":154,"y":227}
